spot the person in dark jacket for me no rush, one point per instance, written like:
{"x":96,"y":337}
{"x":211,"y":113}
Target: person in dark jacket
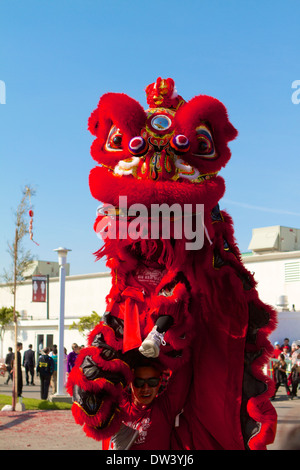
{"x":9,"y":365}
{"x":45,"y":368}
{"x":294,"y":380}
{"x":72,"y":356}
{"x":29,"y":364}
{"x":19,"y":369}
{"x":279,"y":370}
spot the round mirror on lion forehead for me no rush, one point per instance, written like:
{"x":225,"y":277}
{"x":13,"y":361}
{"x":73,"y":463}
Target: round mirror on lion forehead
{"x":161,"y":122}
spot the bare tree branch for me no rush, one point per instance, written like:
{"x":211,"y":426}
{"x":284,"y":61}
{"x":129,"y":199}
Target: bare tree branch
{"x":20,"y":261}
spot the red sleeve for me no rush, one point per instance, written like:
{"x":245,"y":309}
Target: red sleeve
{"x":174,"y":397}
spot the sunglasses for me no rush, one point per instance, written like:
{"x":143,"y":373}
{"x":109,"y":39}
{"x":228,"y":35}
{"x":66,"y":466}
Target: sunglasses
{"x":151,"y":382}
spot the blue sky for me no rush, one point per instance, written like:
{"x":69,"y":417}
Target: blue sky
{"x":58,"y":57}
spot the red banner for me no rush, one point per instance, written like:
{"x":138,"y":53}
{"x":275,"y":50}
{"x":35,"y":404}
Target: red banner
{"x":39,"y":288}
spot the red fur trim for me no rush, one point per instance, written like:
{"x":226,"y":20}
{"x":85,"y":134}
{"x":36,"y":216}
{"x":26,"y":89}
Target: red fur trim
{"x":107,"y":187}
{"x":121,"y":111}
{"x":114,"y":365}
{"x":78,"y":414}
{"x":81,"y":416}
{"x":108,"y":334}
{"x":76,"y":377}
{"x":176,"y":305}
{"x":262,"y":411}
{"x":99,"y":434}
{"x":259,"y":408}
{"x":92,"y":426}
{"x":93,"y":122}
{"x":209,"y":110}
{"x":73,"y":377}
{"x":122,"y":256}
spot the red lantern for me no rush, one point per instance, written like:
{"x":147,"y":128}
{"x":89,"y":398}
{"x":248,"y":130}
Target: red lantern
{"x":30,"y":226}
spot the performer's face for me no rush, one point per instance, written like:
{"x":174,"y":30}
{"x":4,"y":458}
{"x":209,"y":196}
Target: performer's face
{"x":143,"y":392}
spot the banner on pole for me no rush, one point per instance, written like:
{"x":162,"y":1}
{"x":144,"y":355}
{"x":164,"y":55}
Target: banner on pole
{"x":39,"y":288}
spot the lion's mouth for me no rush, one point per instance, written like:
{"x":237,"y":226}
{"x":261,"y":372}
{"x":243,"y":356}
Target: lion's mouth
{"x":160,"y":167}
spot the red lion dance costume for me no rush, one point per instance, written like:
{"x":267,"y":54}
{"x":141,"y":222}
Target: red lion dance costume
{"x":171,"y":154}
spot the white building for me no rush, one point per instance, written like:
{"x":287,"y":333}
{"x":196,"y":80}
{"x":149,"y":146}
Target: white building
{"x":274,"y":259}
{"x":275,"y":262}
{"x":38,"y":323}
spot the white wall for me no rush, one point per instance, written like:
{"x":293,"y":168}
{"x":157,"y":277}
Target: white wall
{"x":83,"y":294}
{"x":269,"y":272}
{"x":288,"y":327}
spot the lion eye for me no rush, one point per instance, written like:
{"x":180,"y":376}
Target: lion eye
{"x":206,"y":148}
{"x":117,"y":141}
{"x":114,"y":140}
{"x":204,"y":145}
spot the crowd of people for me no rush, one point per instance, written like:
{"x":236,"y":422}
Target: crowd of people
{"x":286,"y":367}
{"x":45,"y":367}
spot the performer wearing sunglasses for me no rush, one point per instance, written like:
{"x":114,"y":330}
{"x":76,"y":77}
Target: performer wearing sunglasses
{"x":150,"y":414}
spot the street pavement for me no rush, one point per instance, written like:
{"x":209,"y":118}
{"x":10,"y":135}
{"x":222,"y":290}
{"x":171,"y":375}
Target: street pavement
{"x":288,"y":419}
{"x":57,"y":430}
{"x":38,"y":429}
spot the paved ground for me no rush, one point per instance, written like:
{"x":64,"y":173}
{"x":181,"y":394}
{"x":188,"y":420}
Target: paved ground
{"x":288,"y":413}
{"x":40,"y":430}
{"x":56,"y":429}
